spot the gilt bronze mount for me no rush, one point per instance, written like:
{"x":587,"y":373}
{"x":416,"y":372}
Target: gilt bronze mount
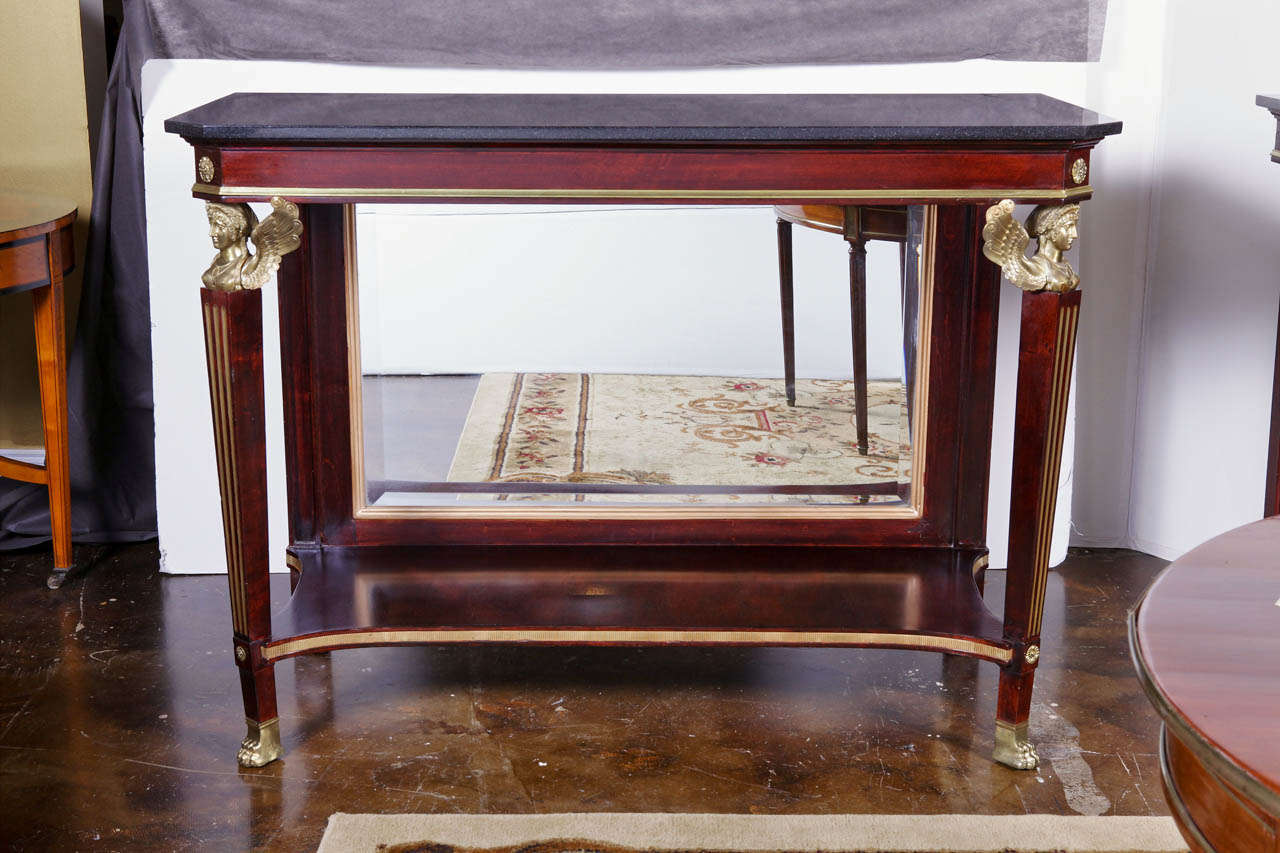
{"x":232,"y":226}
{"x":1004,"y":242}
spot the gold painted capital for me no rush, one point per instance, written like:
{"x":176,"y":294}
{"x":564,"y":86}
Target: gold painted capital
{"x":232,"y":226}
{"x":1005,"y":240}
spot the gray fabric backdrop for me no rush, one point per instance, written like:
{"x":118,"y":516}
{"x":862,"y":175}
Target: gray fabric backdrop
{"x":627,"y":33}
{"x":112,"y":432}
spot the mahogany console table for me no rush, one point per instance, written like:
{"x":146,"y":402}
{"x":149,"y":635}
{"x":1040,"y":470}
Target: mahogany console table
{"x":897,"y":576}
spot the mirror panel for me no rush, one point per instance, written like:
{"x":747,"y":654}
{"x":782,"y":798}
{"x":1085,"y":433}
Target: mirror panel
{"x":540,"y":355}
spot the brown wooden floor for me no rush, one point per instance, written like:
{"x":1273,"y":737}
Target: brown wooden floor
{"x":120,"y":715}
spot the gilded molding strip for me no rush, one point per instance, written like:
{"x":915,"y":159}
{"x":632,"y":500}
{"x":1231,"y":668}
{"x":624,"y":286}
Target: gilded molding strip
{"x":1064,"y":359}
{"x":977,"y":194}
{"x":300,"y":645}
{"x":580,"y":511}
{"x":914,"y":510}
{"x":1073,"y":325}
{"x":1050,"y":474}
{"x":1048,"y":489}
{"x":220,"y":455}
{"x":217,"y":352}
{"x":292,"y":561}
{"x":355,"y":374}
{"x":228,"y":414}
{"x":925,"y":284}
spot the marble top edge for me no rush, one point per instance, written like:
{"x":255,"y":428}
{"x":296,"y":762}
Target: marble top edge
{"x":1271,"y":102}
{"x":423,"y":117}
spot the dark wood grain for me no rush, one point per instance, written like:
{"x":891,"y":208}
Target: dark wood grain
{"x":1204,"y":641}
{"x":297,"y":358}
{"x":787,"y":298}
{"x":888,"y":174}
{"x":977,"y":406}
{"x":902,"y":591}
{"x":1211,"y":809}
{"x":857,"y":241}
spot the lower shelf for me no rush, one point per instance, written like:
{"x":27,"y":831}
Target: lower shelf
{"x":894,"y":598}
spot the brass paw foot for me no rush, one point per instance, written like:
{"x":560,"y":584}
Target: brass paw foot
{"x":261,"y":745}
{"x":1012,"y":747}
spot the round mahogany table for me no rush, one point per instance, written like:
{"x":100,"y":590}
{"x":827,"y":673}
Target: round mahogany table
{"x":36,"y":250}
{"x":1206,"y":642}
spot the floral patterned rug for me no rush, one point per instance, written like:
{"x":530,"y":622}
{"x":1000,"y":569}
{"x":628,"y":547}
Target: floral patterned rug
{"x":679,"y":431}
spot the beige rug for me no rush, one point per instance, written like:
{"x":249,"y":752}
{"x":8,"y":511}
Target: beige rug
{"x":678,"y":430}
{"x":637,"y":833}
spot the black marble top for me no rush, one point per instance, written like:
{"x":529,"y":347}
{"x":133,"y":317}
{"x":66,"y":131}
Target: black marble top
{"x":427,"y":118}
{"x":1271,"y":102}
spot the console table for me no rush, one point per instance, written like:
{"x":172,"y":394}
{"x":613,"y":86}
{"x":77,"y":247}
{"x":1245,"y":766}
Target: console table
{"x":901,"y":575}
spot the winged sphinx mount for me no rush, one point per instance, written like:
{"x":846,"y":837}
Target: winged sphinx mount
{"x":232,"y":226}
{"x":1005,"y":240}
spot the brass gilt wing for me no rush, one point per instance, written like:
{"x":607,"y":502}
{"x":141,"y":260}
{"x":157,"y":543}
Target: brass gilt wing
{"x":276,"y":236}
{"x":1005,"y":240}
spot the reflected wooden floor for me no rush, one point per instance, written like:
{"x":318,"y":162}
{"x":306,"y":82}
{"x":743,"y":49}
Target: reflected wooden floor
{"x":120,"y":714}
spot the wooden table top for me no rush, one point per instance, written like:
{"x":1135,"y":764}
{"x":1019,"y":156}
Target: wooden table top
{"x":1206,"y":641}
{"x":585,"y":118}
{"x":23,"y":215}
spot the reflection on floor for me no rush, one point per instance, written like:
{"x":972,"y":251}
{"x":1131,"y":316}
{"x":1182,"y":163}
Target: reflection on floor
{"x":120,"y":713}
{"x":621,"y":437}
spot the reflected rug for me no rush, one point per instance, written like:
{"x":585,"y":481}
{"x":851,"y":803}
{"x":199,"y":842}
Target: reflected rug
{"x":678,"y":430}
{"x":738,"y":833}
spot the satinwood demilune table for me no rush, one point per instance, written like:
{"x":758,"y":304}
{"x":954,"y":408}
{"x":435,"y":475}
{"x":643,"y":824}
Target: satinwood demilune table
{"x":37,"y":249}
{"x":592,"y":561}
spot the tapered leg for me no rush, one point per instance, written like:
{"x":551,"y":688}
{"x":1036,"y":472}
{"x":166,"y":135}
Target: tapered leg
{"x":858,"y":321}
{"x":233,"y":347}
{"x":909,"y":265}
{"x":788,"y":310}
{"x":51,"y":355}
{"x":1046,"y":349}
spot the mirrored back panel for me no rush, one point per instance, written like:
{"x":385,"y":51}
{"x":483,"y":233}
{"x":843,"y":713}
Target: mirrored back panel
{"x":528,"y":356}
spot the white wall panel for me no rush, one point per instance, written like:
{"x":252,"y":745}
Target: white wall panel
{"x":1208,"y":344}
{"x":611,"y":290}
